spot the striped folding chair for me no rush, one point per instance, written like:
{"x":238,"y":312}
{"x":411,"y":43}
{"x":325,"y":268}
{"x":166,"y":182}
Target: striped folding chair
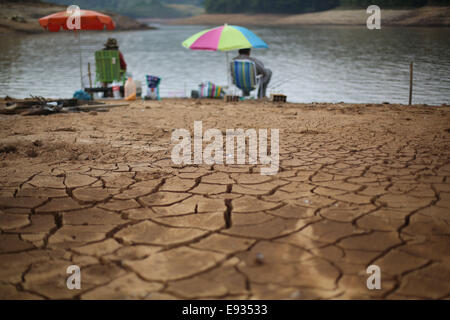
{"x":210,"y":90}
{"x":243,"y":73}
{"x":107,"y":66}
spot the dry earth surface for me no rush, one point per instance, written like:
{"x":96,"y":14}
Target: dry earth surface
{"x":358,"y":185}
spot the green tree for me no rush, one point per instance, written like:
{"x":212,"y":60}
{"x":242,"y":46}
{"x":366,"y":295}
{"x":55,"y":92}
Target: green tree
{"x":268,"y":6}
{"x":133,"y":8}
{"x":383,"y":3}
{"x":301,"y":6}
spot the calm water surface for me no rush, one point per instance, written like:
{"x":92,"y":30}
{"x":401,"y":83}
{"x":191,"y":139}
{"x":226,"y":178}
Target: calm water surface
{"x":322,"y":64}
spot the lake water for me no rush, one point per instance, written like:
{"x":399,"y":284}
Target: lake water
{"x":310,"y":64}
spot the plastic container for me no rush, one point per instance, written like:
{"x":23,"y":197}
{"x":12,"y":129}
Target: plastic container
{"x":130,"y":89}
{"x":116,"y":90}
{"x":151,"y":94}
{"x":138,"y":88}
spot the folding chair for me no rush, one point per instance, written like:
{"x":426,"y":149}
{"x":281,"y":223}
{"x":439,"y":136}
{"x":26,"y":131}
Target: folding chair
{"x":107,"y":63}
{"x":243,"y":74}
{"x":210,"y":90}
{"x":153,"y":86}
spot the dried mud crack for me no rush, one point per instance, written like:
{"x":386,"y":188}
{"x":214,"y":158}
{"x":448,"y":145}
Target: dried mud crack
{"x":358,"y":185}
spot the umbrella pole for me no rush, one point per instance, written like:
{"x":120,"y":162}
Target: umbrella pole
{"x":228,"y":72}
{"x":81,"y":58}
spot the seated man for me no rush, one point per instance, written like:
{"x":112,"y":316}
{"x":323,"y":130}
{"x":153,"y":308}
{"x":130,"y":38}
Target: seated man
{"x":244,"y":54}
{"x":111,"y":44}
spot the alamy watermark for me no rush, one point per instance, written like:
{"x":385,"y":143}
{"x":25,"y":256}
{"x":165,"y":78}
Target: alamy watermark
{"x":74,"y":280}
{"x":374,"y":281}
{"x":374,"y":20}
{"x":215,"y":153}
{"x":74,"y":17}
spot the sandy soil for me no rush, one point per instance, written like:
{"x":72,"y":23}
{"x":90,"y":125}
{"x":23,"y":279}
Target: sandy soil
{"x":23,"y":17}
{"x":426,"y":16}
{"x":358,"y":185}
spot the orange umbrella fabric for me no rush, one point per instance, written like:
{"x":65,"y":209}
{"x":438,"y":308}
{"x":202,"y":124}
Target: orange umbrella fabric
{"x":90,"y":20}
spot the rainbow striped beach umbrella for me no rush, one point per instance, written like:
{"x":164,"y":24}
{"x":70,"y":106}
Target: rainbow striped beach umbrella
{"x":224,"y":38}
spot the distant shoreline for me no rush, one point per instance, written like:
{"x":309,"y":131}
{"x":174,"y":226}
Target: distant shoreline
{"x":424,"y":17}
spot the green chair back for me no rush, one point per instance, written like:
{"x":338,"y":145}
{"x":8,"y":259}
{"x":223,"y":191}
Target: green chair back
{"x":107,"y":64}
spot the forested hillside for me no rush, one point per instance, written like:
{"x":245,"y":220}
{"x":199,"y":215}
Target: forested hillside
{"x":301,"y":6}
{"x":183,"y":8}
{"x":141,"y":8}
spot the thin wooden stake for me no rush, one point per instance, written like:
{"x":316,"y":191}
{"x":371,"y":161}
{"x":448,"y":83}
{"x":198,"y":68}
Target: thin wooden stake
{"x":410,"y":82}
{"x":89,"y":74}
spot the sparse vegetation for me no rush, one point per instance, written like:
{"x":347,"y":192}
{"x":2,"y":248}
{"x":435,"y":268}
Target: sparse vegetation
{"x":142,"y":8}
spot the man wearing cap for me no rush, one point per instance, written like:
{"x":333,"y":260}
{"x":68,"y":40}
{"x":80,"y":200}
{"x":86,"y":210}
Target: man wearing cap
{"x":111,"y":44}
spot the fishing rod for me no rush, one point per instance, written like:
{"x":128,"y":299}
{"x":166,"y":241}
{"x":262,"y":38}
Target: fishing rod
{"x":279,"y":83}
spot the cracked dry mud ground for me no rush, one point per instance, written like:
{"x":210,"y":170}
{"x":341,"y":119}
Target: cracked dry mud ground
{"x":358,"y":185}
